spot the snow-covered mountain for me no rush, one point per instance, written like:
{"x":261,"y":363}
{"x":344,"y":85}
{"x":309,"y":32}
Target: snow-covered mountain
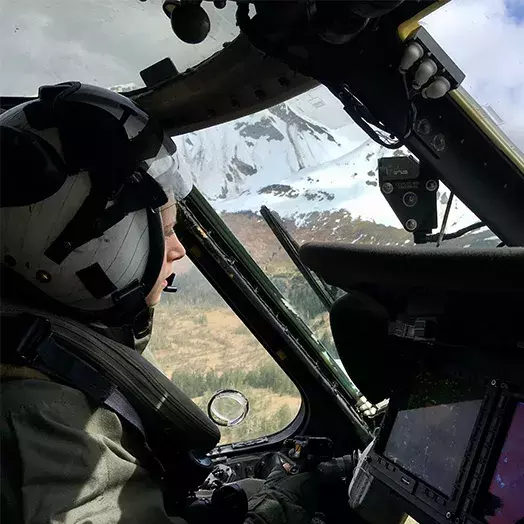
{"x":256,"y":151}
{"x":296,"y":166}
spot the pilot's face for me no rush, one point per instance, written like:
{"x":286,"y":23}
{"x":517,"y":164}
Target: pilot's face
{"x":173,"y":251}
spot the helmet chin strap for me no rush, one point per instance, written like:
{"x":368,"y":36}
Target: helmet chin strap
{"x":170,"y":288}
{"x":133,"y":310}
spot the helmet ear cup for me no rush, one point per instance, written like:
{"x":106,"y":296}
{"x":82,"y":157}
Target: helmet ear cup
{"x":26,"y":155}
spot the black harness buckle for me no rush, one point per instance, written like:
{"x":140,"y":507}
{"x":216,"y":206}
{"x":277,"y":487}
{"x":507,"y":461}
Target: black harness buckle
{"x":35,"y":331}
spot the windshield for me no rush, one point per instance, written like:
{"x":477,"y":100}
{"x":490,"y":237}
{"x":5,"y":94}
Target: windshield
{"x":306,"y":163}
{"x":305,"y":159}
{"x":105,"y":43}
{"x":310,"y":164}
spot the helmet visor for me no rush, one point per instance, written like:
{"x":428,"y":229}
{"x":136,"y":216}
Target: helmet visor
{"x":164,"y":169}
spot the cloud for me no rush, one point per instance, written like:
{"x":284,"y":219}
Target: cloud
{"x":486,"y":38}
{"x":100,"y":42}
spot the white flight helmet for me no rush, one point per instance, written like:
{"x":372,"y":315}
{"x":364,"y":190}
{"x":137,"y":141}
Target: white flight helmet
{"x":83,"y":174}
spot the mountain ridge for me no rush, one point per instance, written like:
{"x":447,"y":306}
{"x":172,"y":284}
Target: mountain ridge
{"x":284,"y":159}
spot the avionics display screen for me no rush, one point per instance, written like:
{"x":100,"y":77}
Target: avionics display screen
{"x":430,"y":437}
{"x":506,"y":491}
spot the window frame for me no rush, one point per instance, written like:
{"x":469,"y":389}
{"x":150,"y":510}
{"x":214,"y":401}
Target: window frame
{"x":224,"y":262}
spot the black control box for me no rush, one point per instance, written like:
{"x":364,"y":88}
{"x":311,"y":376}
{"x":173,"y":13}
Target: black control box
{"x":410,"y":191}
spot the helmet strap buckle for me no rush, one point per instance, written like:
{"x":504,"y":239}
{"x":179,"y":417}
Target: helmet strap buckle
{"x":25,"y":336}
{"x":132,"y":307}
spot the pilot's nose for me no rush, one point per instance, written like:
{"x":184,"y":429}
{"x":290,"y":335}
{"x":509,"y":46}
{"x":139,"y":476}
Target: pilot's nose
{"x":174,"y":248}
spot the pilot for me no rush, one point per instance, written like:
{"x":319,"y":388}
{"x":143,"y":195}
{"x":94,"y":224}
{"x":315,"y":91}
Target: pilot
{"x":88,"y":195}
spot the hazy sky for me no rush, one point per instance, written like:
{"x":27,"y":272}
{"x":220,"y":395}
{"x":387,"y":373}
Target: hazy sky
{"x":104,"y":42}
{"x":108,"y":42}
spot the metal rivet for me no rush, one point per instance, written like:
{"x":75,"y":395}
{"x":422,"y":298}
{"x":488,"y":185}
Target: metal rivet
{"x":387,"y":188}
{"x":260,"y":93}
{"x":493,"y":382}
{"x":43,"y":276}
{"x":448,"y":515}
{"x":431,"y":185}
{"x":10,"y":261}
{"x":411,"y":224}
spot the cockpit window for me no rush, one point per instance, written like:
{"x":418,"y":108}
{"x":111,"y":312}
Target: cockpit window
{"x":310,"y":164}
{"x":316,"y":171}
{"x":102,"y":43}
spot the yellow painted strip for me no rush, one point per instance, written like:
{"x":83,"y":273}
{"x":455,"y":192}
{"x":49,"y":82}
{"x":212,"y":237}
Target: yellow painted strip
{"x":406,"y":28}
{"x":465,"y":100}
{"x":470,"y":107}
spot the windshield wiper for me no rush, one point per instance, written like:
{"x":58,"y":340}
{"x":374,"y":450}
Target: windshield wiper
{"x":323,"y":291}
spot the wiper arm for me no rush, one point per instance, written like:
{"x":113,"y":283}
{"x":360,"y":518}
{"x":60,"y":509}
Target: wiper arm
{"x":319,"y":286}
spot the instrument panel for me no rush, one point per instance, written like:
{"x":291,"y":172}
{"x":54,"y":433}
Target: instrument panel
{"x":453,"y":450}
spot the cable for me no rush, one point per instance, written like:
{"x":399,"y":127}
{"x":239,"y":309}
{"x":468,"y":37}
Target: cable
{"x":463,"y":231}
{"x":456,"y":234}
{"x":445,"y":219}
{"x":365,"y":120}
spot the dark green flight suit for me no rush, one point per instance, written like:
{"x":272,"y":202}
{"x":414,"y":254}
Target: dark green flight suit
{"x":67,"y":461}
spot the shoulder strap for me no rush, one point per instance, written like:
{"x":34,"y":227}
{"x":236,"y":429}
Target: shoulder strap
{"x":27,"y":340}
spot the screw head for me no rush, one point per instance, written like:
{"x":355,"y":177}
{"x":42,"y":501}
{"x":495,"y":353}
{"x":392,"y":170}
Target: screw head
{"x":431,"y":185}
{"x":387,"y":188}
{"x":438,"y":143}
{"x":410,"y":199}
{"x":448,"y":515}
{"x":411,"y":224}
{"x":493,"y":382}
{"x":423,"y":126}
